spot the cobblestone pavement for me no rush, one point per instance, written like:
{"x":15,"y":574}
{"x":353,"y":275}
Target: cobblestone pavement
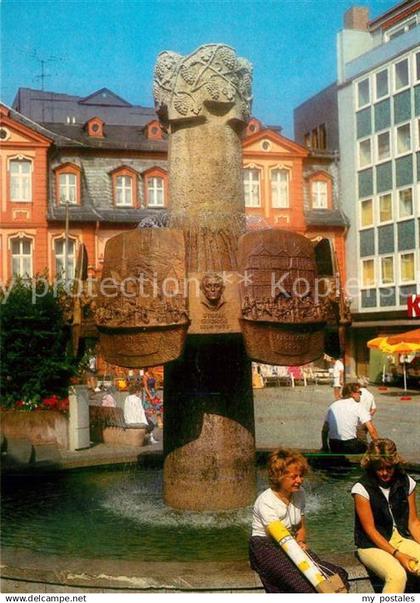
{"x":294,"y":417}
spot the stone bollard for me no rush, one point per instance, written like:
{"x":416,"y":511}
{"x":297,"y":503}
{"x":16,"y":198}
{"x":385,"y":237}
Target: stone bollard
{"x":79,"y":437}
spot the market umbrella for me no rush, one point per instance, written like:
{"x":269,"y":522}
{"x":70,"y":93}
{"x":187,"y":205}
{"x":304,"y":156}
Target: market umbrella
{"x":404,"y":348}
{"x":383,"y":344}
{"x":375,"y":344}
{"x":407,"y":337}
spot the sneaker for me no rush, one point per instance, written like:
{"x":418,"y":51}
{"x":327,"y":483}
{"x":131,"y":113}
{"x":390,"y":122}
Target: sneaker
{"x":153,"y":440}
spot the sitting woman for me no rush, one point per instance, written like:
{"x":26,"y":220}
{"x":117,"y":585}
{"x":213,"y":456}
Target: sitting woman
{"x":387,"y":529}
{"x":283,"y":502}
{"x":134,"y":414}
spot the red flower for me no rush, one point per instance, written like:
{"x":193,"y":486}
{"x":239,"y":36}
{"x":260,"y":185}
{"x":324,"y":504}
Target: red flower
{"x":20,"y":403}
{"x":50,"y":402}
{"x":63,"y":404}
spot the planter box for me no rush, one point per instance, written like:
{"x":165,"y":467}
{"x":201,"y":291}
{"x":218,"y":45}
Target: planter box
{"x":37,"y":426}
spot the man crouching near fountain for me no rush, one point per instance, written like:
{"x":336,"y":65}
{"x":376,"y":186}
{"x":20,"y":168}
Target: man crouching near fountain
{"x":278,"y":550}
{"x":134,"y":415}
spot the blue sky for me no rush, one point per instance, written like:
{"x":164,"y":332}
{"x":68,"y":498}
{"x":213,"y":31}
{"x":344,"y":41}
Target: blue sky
{"x":92,"y":44}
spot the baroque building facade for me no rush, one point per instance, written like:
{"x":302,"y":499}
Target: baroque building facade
{"x":105,"y":169}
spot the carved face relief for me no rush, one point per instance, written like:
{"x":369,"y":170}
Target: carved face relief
{"x":212,"y":288}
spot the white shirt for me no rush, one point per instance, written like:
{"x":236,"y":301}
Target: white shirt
{"x":133,"y":410}
{"x":268,"y":508}
{"x":338,"y":368}
{"x":367,"y":400}
{"x":343,"y":417}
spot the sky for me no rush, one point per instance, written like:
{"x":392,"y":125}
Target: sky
{"x":87,"y":45}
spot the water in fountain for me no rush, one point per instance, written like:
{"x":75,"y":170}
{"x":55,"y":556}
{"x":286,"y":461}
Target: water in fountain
{"x":119,"y":514}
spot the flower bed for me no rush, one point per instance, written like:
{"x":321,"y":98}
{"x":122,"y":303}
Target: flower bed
{"x":51,"y":403}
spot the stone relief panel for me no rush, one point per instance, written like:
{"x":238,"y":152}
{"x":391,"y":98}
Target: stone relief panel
{"x":282,"y":314}
{"x":142,"y":310}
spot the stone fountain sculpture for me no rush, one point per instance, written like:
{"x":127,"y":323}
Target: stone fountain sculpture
{"x":203,"y":296}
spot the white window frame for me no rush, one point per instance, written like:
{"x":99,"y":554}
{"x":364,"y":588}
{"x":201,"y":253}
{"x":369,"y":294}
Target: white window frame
{"x":410,"y":150}
{"x":124,"y":189}
{"x":415,"y":78}
{"x":404,"y":26}
{"x":413,"y":202}
{"x":153,"y":188}
{"x":405,"y":59}
{"x":375,"y":280}
{"x":391,"y":220}
{"x":22,"y":179}
{"x":381,"y":159}
{"x":377,"y":97}
{"x":400,"y":256}
{"x":316,"y":195}
{"x":369,"y":163}
{"x":280,"y":189}
{"x":22,"y":256}
{"x":363,"y":226}
{"x":254,"y":196}
{"x":359,"y":106}
{"x":381,"y":259}
{"x":66,"y":188}
{"x":71,"y":258}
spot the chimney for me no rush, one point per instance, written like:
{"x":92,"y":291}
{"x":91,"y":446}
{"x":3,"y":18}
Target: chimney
{"x":357,"y":17}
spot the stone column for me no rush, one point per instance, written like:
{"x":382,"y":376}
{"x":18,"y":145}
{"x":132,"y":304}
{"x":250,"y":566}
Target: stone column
{"x":209,"y":445}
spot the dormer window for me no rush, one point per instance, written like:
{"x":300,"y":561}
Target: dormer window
{"x":95,"y":127}
{"x":124,"y":191}
{"x":67,"y":184}
{"x":320,"y":189}
{"x":155,"y":187}
{"x":124,"y":181}
{"x":254,"y":125}
{"x":319,"y":194}
{"x":153,"y":131}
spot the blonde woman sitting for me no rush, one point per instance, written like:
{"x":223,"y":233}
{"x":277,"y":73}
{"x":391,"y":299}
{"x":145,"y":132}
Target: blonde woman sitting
{"x":284,"y":501}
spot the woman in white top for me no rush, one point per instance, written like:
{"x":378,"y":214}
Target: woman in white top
{"x":284,"y":501}
{"x":134,"y":415}
{"x":387,"y":529}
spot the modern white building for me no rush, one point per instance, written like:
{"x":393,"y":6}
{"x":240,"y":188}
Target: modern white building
{"x":378,"y":131}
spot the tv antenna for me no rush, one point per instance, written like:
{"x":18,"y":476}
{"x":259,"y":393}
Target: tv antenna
{"x":43,"y":61}
{"x":43,"y":75}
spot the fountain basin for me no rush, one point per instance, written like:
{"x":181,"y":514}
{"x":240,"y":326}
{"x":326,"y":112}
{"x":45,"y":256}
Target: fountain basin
{"x":107,"y":528}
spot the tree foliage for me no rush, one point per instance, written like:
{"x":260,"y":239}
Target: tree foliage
{"x":35,"y":362}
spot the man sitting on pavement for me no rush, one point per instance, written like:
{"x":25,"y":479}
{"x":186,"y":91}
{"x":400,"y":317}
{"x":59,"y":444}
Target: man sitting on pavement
{"x":339,"y":432}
